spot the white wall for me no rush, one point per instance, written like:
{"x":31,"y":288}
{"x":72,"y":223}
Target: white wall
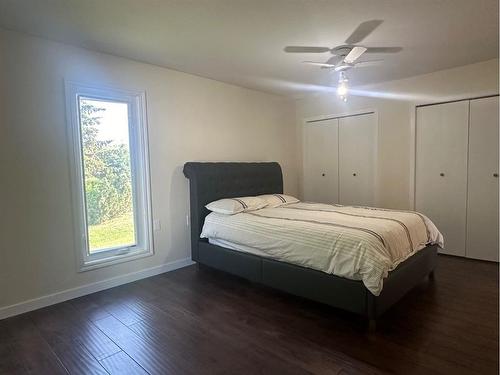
{"x":395,"y":104}
{"x":190,"y":118}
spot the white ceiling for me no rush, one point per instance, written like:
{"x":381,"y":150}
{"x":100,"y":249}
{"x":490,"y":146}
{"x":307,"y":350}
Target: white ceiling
{"x":242,"y":41}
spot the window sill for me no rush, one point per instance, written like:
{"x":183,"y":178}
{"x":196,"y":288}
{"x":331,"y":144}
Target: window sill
{"x":91,"y":264}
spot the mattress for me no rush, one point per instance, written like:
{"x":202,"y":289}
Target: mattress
{"x":358,"y":243}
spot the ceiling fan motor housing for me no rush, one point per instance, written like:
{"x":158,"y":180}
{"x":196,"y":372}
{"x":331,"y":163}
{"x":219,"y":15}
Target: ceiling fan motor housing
{"x":341,"y":50}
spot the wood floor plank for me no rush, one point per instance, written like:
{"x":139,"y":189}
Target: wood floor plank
{"x":223,"y":325}
{"x":64,"y":333}
{"x":87,"y":307}
{"x":201,"y":321}
{"x":121,"y":364}
{"x":62,"y":323}
{"x":214,"y":354}
{"x":385,"y":354}
{"x":10,"y":363}
{"x":111,"y":302}
{"x":77,"y":360}
{"x":144,"y":351}
{"x":30,"y":349}
{"x":67,"y":335}
{"x":278,"y":335}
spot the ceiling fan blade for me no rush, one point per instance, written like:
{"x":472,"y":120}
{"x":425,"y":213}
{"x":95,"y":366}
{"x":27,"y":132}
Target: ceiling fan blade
{"x":362,"y":64}
{"x":355,"y":53}
{"x":362,"y":31}
{"x":306,"y":49}
{"x":384,"y":49}
{"x":323,"y":65}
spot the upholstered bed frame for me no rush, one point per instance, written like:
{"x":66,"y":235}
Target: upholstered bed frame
{"x":212,"y":181}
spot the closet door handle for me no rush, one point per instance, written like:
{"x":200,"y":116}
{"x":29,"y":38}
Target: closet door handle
{"x":441,"y":174}
{"x":495,"y":174}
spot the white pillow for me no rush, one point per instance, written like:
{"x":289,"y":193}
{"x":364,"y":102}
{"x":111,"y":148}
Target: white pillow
{"x":277,"y":200}
{"x":230,"y":206}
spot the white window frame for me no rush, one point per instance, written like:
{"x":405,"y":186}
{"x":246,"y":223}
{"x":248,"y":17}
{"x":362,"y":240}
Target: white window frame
{"x":139,"y":158}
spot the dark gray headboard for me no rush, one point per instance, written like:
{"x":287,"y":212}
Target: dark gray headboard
{"x":211,"y":181}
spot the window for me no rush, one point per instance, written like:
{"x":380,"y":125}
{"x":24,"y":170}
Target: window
{"x":110,"y":174}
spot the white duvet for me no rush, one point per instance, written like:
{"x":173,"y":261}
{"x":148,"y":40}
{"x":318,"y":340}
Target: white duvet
{"x":358,"y":243}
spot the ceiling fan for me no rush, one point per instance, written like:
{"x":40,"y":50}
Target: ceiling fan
{"x":345,"y":56}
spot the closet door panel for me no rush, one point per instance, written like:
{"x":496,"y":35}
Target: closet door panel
{"x":320,"y":171}
{"x":441,"y":170}
{"x":482,"y":202}
{"x":357,"y":159}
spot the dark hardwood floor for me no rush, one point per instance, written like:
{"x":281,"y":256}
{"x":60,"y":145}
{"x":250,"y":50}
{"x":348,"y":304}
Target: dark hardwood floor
{"x":200,"y":321}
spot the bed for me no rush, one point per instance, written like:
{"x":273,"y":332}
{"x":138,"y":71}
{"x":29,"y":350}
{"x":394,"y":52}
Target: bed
{"x":212,"y":181}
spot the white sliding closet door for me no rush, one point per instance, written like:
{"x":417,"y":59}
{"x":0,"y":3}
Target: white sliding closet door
{"x":357,"y":159}
{"x":321,"y":161}
{"x":482,"y":202}
{"x":441,"y":170}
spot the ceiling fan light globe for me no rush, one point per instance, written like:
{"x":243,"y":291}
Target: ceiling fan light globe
{"x":342,"y":89}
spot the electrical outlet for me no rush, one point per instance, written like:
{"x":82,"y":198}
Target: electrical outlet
{"x":156,"y":225}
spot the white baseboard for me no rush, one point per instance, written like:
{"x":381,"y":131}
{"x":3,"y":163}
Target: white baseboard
{"x":51,"y":299}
